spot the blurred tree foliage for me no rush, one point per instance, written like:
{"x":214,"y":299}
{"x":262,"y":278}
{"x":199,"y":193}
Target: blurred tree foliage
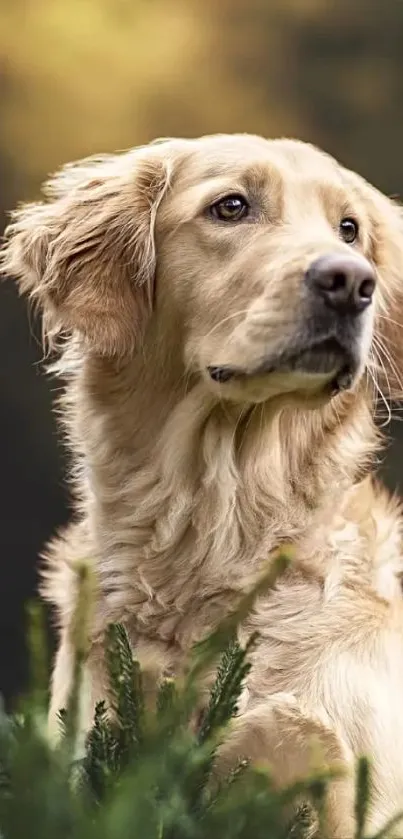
{"x":78,"y":76}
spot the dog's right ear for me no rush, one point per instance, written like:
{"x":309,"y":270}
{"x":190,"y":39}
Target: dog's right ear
{"x":86,"y":255}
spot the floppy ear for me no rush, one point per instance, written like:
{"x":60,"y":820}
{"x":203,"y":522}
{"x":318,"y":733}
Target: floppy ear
{"x":387,"y":254}
{"x":86,"y":254}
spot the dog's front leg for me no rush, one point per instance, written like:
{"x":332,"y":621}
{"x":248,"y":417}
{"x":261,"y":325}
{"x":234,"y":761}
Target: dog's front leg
{"x":93,"y":689}
{"x":279,"y":733}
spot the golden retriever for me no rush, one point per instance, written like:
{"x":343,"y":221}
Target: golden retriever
{"x":227,"y":308}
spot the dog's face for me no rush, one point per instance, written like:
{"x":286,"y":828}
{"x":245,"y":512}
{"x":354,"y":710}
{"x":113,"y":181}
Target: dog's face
{"x":275,"y":264}
{"x":267,"y":249}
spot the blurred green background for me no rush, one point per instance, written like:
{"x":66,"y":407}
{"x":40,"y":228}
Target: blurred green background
{"x":85,"y":76}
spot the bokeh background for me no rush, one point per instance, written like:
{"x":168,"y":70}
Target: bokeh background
{"x":85,"y":76}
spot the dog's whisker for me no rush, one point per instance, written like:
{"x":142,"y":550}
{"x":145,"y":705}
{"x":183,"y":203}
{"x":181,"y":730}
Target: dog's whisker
{"x":390,"y":320}
{"x":377,"y":354}
{"x":383,"y":352}
{"x":381,"y":394}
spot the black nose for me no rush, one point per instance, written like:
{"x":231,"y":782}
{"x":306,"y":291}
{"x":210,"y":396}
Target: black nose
{"x":346,"y":283}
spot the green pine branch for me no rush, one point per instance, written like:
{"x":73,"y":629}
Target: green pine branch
{"x":147,"y":773}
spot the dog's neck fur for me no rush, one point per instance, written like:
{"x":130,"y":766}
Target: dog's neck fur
{"x":182,"y":492}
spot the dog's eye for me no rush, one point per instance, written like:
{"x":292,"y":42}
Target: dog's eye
{"x":348,"y":230}
{"x":230,"y":208}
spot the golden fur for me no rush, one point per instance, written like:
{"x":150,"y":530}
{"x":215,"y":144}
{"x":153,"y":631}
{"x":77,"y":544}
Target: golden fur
{"x":185,"y":485}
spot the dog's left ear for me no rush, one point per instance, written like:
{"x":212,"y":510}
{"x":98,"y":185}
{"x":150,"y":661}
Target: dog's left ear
{"x":387,"y":254}
{"x":86,"y":255}
{"x":388,"y":343}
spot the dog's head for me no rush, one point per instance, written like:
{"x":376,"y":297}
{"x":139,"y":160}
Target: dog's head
{"x":281,"y":271}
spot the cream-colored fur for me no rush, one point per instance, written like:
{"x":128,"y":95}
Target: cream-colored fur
{"x":184,"y":485}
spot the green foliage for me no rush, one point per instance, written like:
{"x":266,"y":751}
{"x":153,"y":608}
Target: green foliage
{"x":146,"y":773}
{"x":85,"y":76}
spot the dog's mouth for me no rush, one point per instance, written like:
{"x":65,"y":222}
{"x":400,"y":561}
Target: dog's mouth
{"x":328,"y":359}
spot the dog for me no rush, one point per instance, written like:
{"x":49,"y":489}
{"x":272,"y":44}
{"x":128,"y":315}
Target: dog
{"x":227,"y":311}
